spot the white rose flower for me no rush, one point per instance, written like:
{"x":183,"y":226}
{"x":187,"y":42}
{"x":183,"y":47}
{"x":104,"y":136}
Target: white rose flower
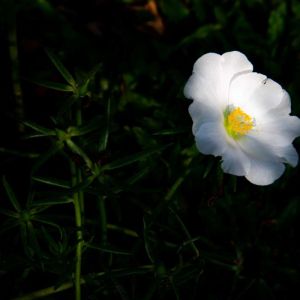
{"x":242,"y":116}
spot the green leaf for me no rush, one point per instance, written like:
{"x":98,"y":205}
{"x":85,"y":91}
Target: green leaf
{"x":46,"y":156}
{"x":136,"y":177}
{"x":277,"y":22}
{"x":185,"y":230}
{"x":43,"y":130}
{"x":9,"y":224}
{"x":62,"y":70}
{"x":53,"y":85}
{"x":199,"y":9}
{"x":175,"y":10}
{"x":85,"y":80}
{"x":84,"y":184}
{"x":90,"y":127}
{"x":170,"y":132}
{"x":132,"y":158}
{"x":9,"y":213}
{"x":108,"y":250}
{"x":104,"y":137}
{"x":52,"y":181}
{"x":45,"y":221}
{"x":19,"y":153}
{"x":290,"y":213}
{"x":66,"y":106}
{"x":11,"y":195}
{"x":200,"y":34}
{"x":54,"y":201}
{"x":76,"y":149}
{"x":147,"y":241}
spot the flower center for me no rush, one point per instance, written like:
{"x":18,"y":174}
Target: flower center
{"x":237,"y":123}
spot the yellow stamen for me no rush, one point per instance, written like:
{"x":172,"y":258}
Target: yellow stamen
{"x":237,"y":123}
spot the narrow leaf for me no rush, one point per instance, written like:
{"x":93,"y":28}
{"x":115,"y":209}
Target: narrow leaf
{"x":91,"y":126}
{"x":11,"y":195}
{"x":53,"y":85}
{"x":9,"y":213}
{"x":136,"y":177}
{"x":200,"y":34}
{"x":185,"y":230}
{"x":132,"y":158}
{"x":104,"y":138}
{"x":55,"y":201}
{"x":46,"y":156}
{"x":147,"y":241}
{"x":170,"y":132}
{"x":52,"y":182}
{"x":60,"y":67}
{"x":10,"y":224}
{"x":39,"y":128}
{"x":108,"y":250}
{"x":47,"y":222}
{"x":19,"y":153}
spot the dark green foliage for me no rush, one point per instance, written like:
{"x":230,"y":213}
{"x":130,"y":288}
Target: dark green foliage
{"x":101,"y":128}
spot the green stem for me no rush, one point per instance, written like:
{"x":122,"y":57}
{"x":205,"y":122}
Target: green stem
{"x":78,"y":205}
{"x":103,"y":220}
{"x":67,"y":285}
{"x":15,"y":74}
{"x":78,"y":198}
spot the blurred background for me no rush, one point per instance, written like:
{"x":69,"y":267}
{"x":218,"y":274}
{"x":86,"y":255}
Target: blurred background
{"x":161,"y":221}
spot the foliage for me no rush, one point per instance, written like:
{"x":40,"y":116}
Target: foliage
{"x":102,"y":186}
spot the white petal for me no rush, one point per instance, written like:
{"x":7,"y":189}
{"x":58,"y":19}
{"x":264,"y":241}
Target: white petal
{"x":241,"y":89}
{"x":201,"y":113}
{"x":283,"y":109}
{"x":267,"y":96}
{"x":287,"y":154}
{"x":206,"y":85}
{"x":257,"y":95}
{"x":212,"y":74}
{"x":234,"y":161}
{"x":280,"y":131}
{"x":235,"y":63}
{"x":211,"y":138}
{"x":203,"y":91}
{"x":208,"y":66}
{"x":256,"y":149}
{"x":264,"y":172}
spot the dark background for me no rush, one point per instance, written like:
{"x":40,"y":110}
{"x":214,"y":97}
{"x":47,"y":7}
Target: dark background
{"x":204,"y":234}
